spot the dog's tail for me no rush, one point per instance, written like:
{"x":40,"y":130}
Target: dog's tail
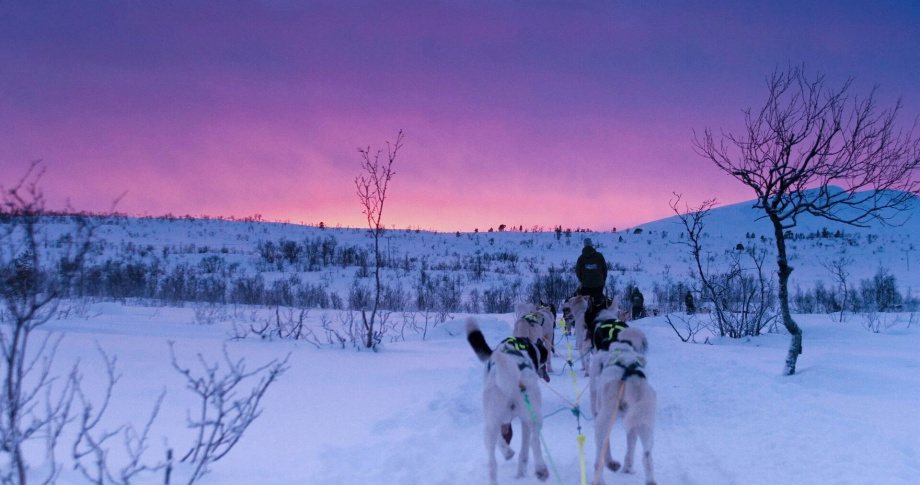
{"x":477,"y":340}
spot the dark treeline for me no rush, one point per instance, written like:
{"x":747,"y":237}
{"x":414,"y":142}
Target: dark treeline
{"x":877,"y":294}
{"x":483,"y":282}
{"x":189,"y":273}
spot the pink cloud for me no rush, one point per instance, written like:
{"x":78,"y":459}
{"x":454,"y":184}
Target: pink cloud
{"x":523,"y":114}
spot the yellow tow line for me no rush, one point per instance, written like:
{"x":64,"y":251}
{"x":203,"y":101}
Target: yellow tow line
{"x":581,"y":437}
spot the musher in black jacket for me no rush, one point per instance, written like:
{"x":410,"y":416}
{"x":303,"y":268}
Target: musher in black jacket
{"x":591,"y":270}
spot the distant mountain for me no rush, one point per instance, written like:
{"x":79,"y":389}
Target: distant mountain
{"x":736,"y":220}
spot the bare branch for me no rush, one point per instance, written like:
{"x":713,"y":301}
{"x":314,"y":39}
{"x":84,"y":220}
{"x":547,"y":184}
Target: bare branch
{"x":91,"y":444}
{"x":34,"y":275}
{"x":224,"y":415}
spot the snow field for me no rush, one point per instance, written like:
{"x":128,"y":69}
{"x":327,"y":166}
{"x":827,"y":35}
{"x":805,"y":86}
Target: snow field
{"x":411,"y":413}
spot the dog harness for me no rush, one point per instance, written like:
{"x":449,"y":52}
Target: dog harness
{"x":606,"y":333}
{"x":517,"y":346}
{"x":634,"y":369}
{"x":533,"y":319}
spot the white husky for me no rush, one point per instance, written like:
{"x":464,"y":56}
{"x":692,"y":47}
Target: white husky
{"x":577,"y":306}
{"x":623,"y":365}
{"x":511,"y":391}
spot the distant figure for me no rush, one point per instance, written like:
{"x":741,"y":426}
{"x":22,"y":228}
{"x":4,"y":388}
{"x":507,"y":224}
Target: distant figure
{"x":591,"y":270}
{"x":688,"y":301}
{"x":638,"y":303}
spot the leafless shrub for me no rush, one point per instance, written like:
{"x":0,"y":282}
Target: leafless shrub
{"x":408,"y":321}
{"x":380,"y":330}
{"x":742,"y":297}
{"x":311,"y":338}
{"x":745,"y":304}
{"x":872,"y":322}
{"x":429,"y":318}
{"x":245,"y":313}
{"x":387,"y":327}
{"x":34,"y":275}
{"x":291,"y":326}
{"x":210,"y":313}
{"x":347,"y":320}
{"x":76,"y":308}
{"x":686,"y":328}
{"x":238,"y":331}
{"x":284,"y":323}
{"x":333,"y":335}
{"x":877,"y":322}
{"x":225,"y":412}
{"x":90,"y":450}
{"x":839,"y":270}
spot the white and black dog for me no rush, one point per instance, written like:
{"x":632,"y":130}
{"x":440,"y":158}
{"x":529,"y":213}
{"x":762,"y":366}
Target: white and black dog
{"x":537,"y":322}
{"x":619,"y":359}
{"x":511,"y":391}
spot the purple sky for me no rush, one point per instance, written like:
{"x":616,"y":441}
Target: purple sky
{"x":515,"y":112}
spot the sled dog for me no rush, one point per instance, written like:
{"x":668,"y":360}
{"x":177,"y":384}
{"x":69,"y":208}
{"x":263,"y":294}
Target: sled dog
{"x":568,"y":318}
{"x":622,"y":364}
{"x":537,"y":322}
{"x":578,"y":306}
{"x":511,"y":390}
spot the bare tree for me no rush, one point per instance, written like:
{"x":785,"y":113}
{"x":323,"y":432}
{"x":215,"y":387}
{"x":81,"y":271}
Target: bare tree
{"x":813,"y":149}
{"x":34,"y":274}
{"x":694,"y":219}
{"x":742,"y":298}
{"x":839,"y":270}
{"x":372,"y":191}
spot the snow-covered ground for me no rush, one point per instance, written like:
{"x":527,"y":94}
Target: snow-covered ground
{"x":411,"y":413}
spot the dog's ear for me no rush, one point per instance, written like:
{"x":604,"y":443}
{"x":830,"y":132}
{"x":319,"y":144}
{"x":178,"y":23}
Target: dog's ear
{"x":638,"y":340}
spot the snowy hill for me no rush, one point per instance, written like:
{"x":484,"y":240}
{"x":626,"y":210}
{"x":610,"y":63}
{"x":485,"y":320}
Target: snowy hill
{"x":334,"y":264}
{"x":411,"y":412}
{"x":736,"y":220}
